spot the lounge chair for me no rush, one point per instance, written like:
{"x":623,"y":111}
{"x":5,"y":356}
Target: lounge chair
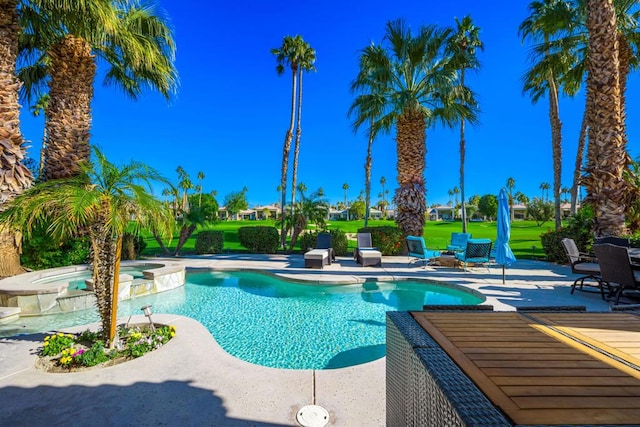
{"x":322,"y":254}
{"x":417,"y":250}
{"x":583,"y":264}
{"x":477,"y":251}
{"x":458,"y":242}
{"x":618,"y":241}
{"x":364,"y":243}
{"x":616,"y":268}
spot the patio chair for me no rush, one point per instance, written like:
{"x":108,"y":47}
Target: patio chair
{"x":323,"y":241}
{"x":615,"y":268}
{"x":477,"y":251}
{"x":458,"y":242}
{"x":583,"y":264}
{"x":364,"y":243}
{"x":417,"y":249}
{"x":614,"y":240}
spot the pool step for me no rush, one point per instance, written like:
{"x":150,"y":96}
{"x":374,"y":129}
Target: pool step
{"x":9,"y":314}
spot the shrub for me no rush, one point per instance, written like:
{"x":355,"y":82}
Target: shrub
{"x":578,"y":228}
{"x":307,"y":240}
{"x":40,"y":252}
{"x":209,"y":242}
{"x":388,"y":239}
{"x":259,"y":239}
{"x":338,"y":241}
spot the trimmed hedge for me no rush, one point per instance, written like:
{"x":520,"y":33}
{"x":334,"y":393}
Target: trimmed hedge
{"x":259,"y":239}
{"x":209,"y":242}
{"x":338,"y":241}
{"x":388,"y":239}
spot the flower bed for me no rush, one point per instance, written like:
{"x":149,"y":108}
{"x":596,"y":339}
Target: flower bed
{"x":63,"y":352}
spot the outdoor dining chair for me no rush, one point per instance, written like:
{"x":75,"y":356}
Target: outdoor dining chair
{"x":583,"y":264}
{"x":458,"y":242}
{"x":477,"y":251}
{"x":614,"y":240}
{"x":616,"y":269}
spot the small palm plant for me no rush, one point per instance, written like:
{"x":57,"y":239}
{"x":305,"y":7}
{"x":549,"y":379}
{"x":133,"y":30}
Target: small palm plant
{"x":101,"y":202}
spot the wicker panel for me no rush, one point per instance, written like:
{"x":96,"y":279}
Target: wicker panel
{"x":425,"y":387}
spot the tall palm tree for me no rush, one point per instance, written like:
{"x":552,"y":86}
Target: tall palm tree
{"x":464,"y":45}
{"x":607,"y":157}
{"x":345,"y":187}
{"x":200,"y":178}
{"x":307,"y":59}
{"x":15,"y":177}
{"x":545,"y":186}
{"x":542,"y":25}
{"x":128,"y":35}
{"x":418,"y":82}
{"x":511,"y":183}
{"x":368,"y":107}
{"x":288,"y":55}
{"x":102,"y":201}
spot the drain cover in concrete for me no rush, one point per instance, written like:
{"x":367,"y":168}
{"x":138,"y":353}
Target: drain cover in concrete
{"x":313,"y":416}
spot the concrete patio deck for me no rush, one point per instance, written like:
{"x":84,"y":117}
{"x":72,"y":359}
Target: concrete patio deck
{"x":193,"y":382}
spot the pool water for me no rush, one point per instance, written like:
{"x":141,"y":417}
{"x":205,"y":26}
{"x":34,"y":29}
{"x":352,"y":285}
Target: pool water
{"x":282,"y":324}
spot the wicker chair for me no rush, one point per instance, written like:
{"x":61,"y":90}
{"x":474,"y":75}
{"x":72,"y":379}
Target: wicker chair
{"x":417,"y":250}
{"x":323,"y":241}
{"x":364,"y":243}
{"x":615,"y":268}
{"x":585,"y":265}
{"x":477,"y":251}
{"x":458,"y":242}
{"x":618,"y":241}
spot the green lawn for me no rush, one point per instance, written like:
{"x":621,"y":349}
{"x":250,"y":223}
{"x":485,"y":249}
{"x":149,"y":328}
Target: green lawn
{"x":524,"y":234}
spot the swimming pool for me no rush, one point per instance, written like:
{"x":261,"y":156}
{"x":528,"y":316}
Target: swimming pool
{"x":272,"y":322}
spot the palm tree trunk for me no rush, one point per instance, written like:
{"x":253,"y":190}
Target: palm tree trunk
{"x":606,"y":155}
{"x":367,"y":177}
{"x":411,"y":149}
{"x":296,"y":147}
{"x":579,"y":158}
{"x":285,"y":158}
{"x":114,"y":300}
{"x":462,"y":157}
{"x":556,"y":146}
{"x":72,"y":72}
{"x":103,"y":249}
{"x":14,"y":176}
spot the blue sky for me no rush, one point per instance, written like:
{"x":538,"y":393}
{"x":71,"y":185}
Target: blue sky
{"x":230,"y":113}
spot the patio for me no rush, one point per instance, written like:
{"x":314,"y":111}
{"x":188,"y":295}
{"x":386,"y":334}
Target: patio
{"x":192,"y":381}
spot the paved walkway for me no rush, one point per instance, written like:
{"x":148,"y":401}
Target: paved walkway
{"x":193,"y":382}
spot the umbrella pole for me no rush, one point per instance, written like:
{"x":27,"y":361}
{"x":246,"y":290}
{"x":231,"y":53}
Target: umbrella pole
{"x":503,"y":274}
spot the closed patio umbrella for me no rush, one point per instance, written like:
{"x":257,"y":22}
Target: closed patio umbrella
{"x":504,"y":255}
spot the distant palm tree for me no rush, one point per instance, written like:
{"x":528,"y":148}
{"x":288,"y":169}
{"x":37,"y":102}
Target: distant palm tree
{"x":511,"y":183}
{"x":103,"y":200}
{"x":418,"y":84}
{"x":545,"y":191}
{"x":522,"y":198}
{"x":463,"y":44}
{"x":289,"y":54}
{"x":40,"y":107}
{"x":200,"y":178}
{"x":345,"y":187}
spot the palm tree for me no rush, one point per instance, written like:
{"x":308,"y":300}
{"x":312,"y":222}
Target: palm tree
{"x":456,"y":191}
{"x":511,"y":183}
{"x":383,"y":181}
{"x":40,"y":107}
{"x":451,"y":201}
{"x":543,"y":77}
{"x":345,"y":187}
{"x":102,"y":201}
{"x":16,"y":178}
{"x":288,"y":54}
{"x":463,"y":45}
{"x":606,"y":158}
{"x":309,"y":209}
{"x":522,"y":198}
{"x":544,"y":186}
{"x":368,"y":108}
{"x":307,"y":59}
{"x":417,"y":82}
{"x":200,"y":178}
{"x":129,"y":36}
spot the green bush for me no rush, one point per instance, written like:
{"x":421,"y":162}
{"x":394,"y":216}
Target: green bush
{"x":388,"y":239}
{"x":338,"y":241}
{"x":578,"y":228}
{"x":209,"y":242}
{"x":259,"y":239}
{"x":40,"y":252}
